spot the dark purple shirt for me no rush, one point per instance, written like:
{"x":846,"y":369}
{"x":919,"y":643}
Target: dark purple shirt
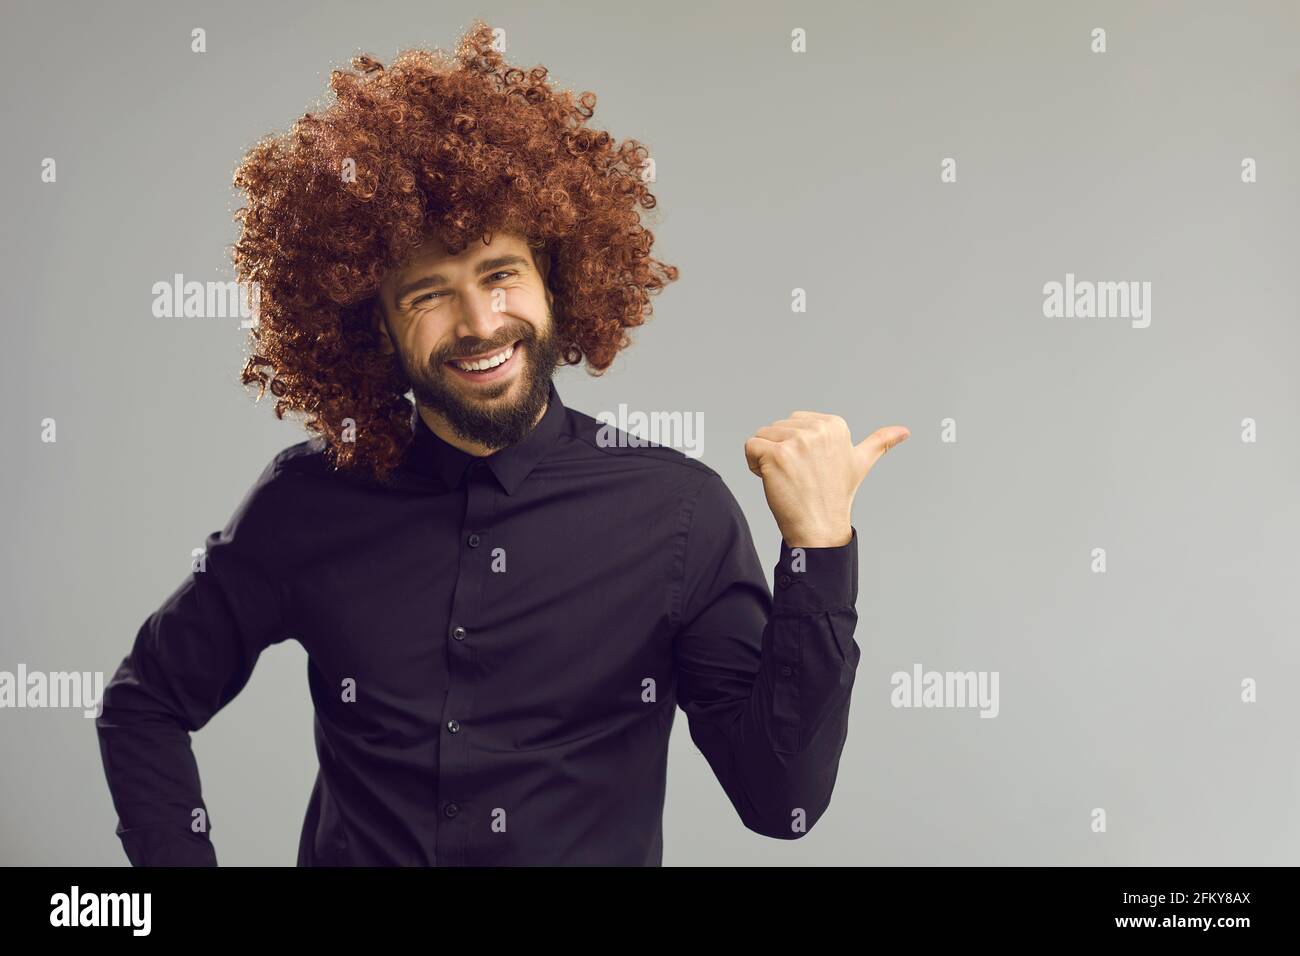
{"x":496,"y":648}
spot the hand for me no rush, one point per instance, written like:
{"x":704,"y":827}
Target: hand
{"x":811,"y":470}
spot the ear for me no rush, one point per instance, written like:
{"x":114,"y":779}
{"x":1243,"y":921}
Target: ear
{"x":542,"y":259}
{"x":382,"y":335}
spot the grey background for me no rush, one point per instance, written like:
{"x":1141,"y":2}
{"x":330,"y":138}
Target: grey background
{"x":775,"y":171}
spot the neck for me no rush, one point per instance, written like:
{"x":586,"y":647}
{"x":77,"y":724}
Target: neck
{"x":438,"y":425}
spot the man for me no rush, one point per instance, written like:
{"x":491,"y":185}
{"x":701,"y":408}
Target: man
{"x":501,"y":607}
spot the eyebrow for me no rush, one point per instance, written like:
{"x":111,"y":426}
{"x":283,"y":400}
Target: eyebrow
{"x":487,"y":265}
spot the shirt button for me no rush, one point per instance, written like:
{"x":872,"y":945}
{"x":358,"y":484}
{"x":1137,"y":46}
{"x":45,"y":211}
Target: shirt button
{"x":784,"y":581}
{"x":472,"y":540}
{"x":786,"y":670}
{"x":458,"y":632}
{"x":451,"y":809}
{"x":454,"y":725}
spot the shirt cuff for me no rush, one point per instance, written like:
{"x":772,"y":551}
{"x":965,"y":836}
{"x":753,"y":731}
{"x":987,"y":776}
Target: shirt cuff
{"x":816,"y":579}
{"x":166,"y":845}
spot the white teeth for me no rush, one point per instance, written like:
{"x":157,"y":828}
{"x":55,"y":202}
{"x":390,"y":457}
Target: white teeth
{"x":483,"y":365}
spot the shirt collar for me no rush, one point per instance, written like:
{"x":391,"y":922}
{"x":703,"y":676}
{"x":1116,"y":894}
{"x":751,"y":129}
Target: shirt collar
{"x":432,"y":456}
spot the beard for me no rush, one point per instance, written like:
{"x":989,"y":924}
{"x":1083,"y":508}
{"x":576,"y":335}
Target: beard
{"x":480,"y":414}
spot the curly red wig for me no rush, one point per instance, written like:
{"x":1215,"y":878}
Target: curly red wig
{"x":453,"y":148}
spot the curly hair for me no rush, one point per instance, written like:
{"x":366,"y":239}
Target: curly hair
{"x":432,"y":146}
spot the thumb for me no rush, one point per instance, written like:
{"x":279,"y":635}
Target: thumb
{"x":873,"y":447}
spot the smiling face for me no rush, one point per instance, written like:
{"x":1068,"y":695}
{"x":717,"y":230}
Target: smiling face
{"x":475,"y":336}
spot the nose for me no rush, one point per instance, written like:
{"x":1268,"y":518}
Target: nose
{"x":477,"y":320}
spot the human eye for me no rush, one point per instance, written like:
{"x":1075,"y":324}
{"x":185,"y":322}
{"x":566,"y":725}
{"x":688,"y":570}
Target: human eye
{"x":421,"y":298}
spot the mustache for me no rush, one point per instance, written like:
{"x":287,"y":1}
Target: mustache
{"x":467,"y":348}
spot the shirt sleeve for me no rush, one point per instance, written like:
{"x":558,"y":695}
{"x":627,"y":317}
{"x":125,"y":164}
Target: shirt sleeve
{"x":189,"y":659}
{"x":765,"y":682}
